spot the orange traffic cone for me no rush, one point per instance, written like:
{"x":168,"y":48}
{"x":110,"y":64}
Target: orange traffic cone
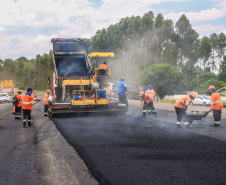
{"x":13,"y":109}
{"x":0,"y":116}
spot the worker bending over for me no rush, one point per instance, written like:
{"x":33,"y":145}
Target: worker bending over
{"x":216,"y":106}
{"x":150,"y":106}
{"x":145,"y":100}
{"x":46,"y":101}
{"x":27,"y":106}
{"x":181,"y":106}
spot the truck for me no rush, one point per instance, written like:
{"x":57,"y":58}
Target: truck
{"x":77,"y":86}
{"x":7,"y":87}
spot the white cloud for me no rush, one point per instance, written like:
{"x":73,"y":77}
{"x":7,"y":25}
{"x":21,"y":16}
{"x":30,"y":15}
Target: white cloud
{"x":205,"y":15}
{"x":208,"y":29}
{"x":34,"y":22}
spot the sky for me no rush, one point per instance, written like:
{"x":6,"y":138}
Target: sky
{"x":27,"y":26}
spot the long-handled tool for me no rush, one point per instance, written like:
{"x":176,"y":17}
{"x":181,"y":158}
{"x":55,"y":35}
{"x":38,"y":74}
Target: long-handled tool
{"x":136,"y":110}
{"x":35,"y":102}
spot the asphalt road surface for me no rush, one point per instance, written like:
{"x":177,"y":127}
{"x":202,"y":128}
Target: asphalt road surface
{"x":118,"y":150}
{"x":127,"y":150}
{"x":37,"y":155}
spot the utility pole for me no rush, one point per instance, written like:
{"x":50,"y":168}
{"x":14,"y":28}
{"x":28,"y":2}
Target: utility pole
{"x":198,"y":80}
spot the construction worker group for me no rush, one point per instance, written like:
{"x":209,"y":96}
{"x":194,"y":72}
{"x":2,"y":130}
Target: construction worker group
{"x":147,"y":99}
{"x":25,"y":103}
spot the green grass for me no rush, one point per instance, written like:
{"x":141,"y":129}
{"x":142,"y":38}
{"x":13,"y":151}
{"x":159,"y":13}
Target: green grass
{"x":224,"y":103}
{"x":168,"y":101}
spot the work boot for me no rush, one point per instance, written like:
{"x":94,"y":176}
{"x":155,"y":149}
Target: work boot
{"x":144,"y":114}
{"x":24,"y":125}
{"x":30,"y":123}
{"x":215,"y":125}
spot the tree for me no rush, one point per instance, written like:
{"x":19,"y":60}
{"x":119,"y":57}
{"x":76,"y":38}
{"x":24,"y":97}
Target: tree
{"x":187,"y":37}
{"x":205,"y":50}
{"x":221,"y":44}
{"x":222,"y":74}
{"x":213,"y":39}
{"x":163,"y":77}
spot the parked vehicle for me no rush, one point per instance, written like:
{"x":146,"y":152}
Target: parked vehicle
{"x":4,"y":97}
{"x":133,"y":93}
{"x":201,"y":100}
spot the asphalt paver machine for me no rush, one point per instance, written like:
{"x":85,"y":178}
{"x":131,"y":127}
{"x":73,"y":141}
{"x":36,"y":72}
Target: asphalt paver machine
{"x":77,"y":87}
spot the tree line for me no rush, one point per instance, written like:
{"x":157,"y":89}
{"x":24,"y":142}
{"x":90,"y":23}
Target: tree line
{"x":26,"y":73}
{"x":140,"y":43}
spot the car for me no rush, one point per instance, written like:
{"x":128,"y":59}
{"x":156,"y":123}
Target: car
{"x":201,"y":100}
{"x":4,"y":97}
{"x":132,"y":93}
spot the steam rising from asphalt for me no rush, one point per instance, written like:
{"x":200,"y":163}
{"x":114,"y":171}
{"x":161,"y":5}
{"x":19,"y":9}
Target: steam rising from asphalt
{"x":134,"y":57}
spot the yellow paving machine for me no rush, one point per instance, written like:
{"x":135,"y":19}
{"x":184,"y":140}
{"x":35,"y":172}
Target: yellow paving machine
{"x":77,"y":87}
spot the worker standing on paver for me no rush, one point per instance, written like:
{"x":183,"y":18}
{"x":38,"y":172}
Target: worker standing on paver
{"x":122,"y":92}
{"x":46,"y":101}
{"x":27,"y":106}
{"x":145,"y":99}
{"x":216,"y":106}
{"x":103,"y":66}
{"x":181,"y":106}
{"x":18,"y":104}
{"x":150,"y":106}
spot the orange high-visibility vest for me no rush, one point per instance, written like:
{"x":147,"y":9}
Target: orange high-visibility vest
{"x":182,"y":102}
{"x":216,"y":103}
{"x":27,"y":101}
{"x":103,"y":66}
{"x":19,"y":98}
{"x":151,"y":93}
{"x":147,"y":98}
{"x":46,"y":96}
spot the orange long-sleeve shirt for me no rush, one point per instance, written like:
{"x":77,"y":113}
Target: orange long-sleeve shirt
{"x":182,"y":102}
{"x":216,"y":103}
{"x":27,"y":101}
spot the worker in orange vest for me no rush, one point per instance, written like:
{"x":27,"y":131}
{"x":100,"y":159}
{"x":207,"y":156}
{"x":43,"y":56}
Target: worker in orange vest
{"x":19,"y":105}
{"x":216,"y":106}
{"x":35,"y":93}
{"x":103,"y":66}
{"x":145,"y":100}
{"x":181,"y":106}
{"x":27,"y":106}
{"x":150,"y":106}
{"x":46,"y":102}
